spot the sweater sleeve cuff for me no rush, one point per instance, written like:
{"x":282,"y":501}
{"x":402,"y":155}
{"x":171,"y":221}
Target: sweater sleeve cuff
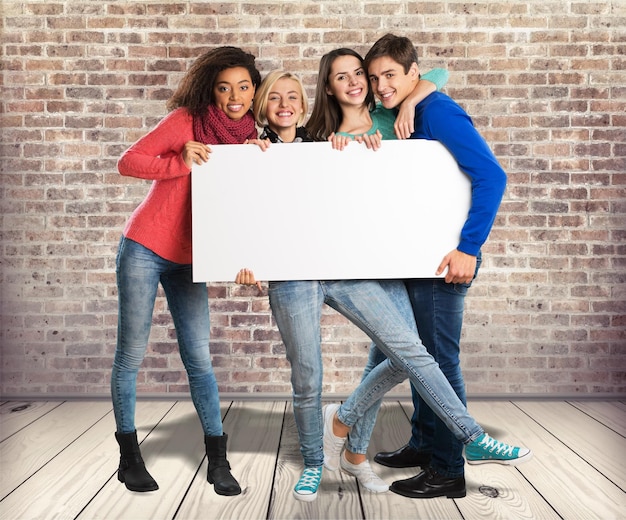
{"x":469,"y":248}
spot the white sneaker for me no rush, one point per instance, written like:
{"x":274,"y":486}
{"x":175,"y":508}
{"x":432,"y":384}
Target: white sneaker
{"x":332,"y":444}
{"x":365,"y":475}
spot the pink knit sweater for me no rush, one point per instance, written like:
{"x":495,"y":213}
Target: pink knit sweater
{"x":162,"y":222}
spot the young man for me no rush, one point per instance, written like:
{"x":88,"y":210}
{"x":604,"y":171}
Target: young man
{"x":438,"y":303}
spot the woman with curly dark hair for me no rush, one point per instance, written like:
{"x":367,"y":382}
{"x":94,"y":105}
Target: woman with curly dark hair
{"x":211,"y":106}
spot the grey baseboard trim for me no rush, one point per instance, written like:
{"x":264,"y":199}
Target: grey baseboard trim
{"x":328,"y":397}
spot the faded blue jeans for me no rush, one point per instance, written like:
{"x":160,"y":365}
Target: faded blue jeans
{"x":380,"y":309}
{"x":139,"y":272}
{"x":297,"y":309}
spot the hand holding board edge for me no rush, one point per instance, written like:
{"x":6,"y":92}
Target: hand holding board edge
{"x":307,"y":212}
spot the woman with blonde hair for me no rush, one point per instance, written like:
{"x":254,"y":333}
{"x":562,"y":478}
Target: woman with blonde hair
{"x":280,"y":108}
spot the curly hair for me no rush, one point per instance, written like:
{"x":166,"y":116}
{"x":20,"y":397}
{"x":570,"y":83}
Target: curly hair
{"x":195,"y":91}
{"x":326,"y":115}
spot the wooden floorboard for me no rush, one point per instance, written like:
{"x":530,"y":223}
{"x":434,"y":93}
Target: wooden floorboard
{"x":611,"y":414}
{"x":66,"y":484}
{"x":571,"y":486}
{"x":32,"y":447}
{"x":337,"y":496}
{"x":496,"y":491}
{"x":599,"y":446}
{"x":254,"y":434}
{"x":59,"y":460}
{"x":15,"y":416}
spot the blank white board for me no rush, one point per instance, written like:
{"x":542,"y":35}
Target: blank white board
{"x":307,"y":212}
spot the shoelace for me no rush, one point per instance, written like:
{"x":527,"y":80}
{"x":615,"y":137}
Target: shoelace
{"x":499,"y":447}
{"x":309,"y":480}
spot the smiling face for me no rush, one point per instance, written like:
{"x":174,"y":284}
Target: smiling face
{"x":347,"y":81}
{"x":389,"y":81}
{"x":284,"y":104}
{"x":233,"y":92}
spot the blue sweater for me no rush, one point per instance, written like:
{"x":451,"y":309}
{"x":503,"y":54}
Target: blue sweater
{"x":439,"y":118}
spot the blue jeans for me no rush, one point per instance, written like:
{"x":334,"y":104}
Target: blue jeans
{"x":380,"y":309}
{"x":297,"y":309}
{"x":139,"y":272}
{"x":438,"y":308}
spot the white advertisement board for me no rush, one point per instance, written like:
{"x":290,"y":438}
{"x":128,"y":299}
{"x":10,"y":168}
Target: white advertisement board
{"x":307,"y":212}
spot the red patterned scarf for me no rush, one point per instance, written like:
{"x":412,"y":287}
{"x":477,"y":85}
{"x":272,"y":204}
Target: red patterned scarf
{"x":217,"y":128}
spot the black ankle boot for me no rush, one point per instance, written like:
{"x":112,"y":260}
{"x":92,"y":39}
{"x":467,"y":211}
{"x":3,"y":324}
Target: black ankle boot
{"x":132,"y":471}
{"x":218,"y":473}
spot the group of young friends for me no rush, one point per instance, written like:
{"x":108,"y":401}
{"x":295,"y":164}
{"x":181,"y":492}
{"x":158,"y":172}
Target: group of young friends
{"x":415,"y":325}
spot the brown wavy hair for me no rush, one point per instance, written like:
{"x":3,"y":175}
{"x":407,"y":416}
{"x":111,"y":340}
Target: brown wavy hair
{"x":326,"y":115}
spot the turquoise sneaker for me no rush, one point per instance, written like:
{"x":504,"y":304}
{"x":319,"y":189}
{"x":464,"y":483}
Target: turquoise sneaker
{"x":306,"y":488}
{"x":485,"y":450}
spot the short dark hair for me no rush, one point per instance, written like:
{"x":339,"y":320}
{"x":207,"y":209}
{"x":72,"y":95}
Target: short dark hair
{"x":399,"y":48}
{"x":195,"y":91}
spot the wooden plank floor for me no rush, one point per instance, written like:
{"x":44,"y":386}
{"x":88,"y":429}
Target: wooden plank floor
{"x":59,"y":459}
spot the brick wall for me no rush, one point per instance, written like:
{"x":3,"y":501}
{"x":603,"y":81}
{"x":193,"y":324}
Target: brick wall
{"x":543,"y":79}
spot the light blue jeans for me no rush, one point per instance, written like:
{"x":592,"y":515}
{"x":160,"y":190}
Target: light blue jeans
{"x":297,"y":309}
{"x":382,"y":310}
{"x":139,"y":272}
{"x":438,"y":310}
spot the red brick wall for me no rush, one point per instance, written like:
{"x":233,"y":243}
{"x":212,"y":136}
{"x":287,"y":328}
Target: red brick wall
{"x":543,"y":79}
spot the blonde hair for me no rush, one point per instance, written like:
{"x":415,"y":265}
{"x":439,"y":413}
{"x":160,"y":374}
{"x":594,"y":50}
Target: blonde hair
{"x":263,"y":93}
